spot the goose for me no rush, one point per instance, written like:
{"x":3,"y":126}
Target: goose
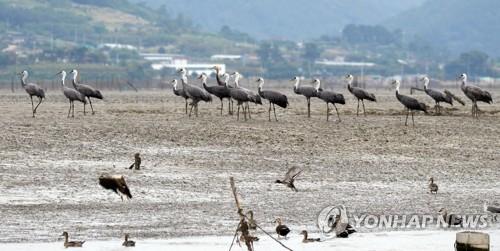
{"x":116,"y":183}
{"x":433,"y":187}
{"x":68,"y":244}
{"x":281,"y":229}
{"x":290,"y":177}
{"x":127,"y":242}
{"x":307,"y":240}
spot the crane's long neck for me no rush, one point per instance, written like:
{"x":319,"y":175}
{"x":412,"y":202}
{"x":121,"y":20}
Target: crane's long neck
{"x":297,"y":83}
{"x":261,"y":85}
{"x":318,"y":85}
{"x":23,"y":79}
{"x":237,"y":80}
{"x":217,"y":76}
{"x":62,"y":80}
{"x":426,"y":83}
{"x":75,"y":77}
{"x":175,"y":86}
{"x":349,"y":84}
{"x":184,"y":79}
{"x":398,"y":95}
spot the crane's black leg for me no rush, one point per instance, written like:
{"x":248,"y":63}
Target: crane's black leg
{"x":413,"y":120}
{"x":269,"y":112}
{"x":408,"y":113}
{"x":248,"y":109}
{"x":39,"y":102}
{"x":186,"y":105}
{"x":238,"y":113}
{"x":338,"y":115}
{"x":274,"y":109}
{"x":191,"y":110}
{"x":32,"y":106}
{"x":92,"y":108}
{"x":84,"y":105}
{"x":73,"y":109}
{"x":308,"y":107}
{"x":364,"y":111}
{"x":327,"y":111}
{"x":231,"y":106}
{"x":357,"y":110}
{"x":69,"y":107}
{"x":221,"y":106}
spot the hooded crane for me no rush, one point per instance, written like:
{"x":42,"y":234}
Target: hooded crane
{"x":180,"y":93}
{"x":32,"y":90}
{"x":254,"y":98}
{"x":411,"y":104}
{"x":359,"y":93}
{"x":74,"y":244}
{"x":290,"y":177}
{"x":87,"y":90}
{"x":217,"y":90}
{"x":116,"y":183}
{"x":273,"y":97}
{"x":306,"y":91}
{"x":71,"y":94}
{"x":195,"y":93}
{"x":222,"y":82}
{"x":241,"y":96}
{"x":475,"y":94}
{"x":438,"y":96}
{"x":329,"y":97}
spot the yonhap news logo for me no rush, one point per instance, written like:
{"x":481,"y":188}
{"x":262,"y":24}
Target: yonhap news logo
{"x":332,"y":220}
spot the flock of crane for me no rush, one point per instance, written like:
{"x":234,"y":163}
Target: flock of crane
{"x":243,"y":97}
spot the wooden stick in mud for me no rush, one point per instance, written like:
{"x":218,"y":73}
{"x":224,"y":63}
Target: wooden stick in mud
{"x":243,"y":222}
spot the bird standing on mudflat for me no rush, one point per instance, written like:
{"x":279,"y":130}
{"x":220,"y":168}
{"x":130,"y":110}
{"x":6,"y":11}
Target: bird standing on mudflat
{"x":475,"y":94}
{"x":411,"y":104}
{"x":273,"y":97}
{"x":433,"y":187}
{"x":329,"y":97}
{"x":180,"y":92}
{"x":306,"y":91}
{"x":281,"y":230}
{"x":219,"y":91}
{"x":87,"y":90}
{"x":195,"y":93}
{"x":71,"y":94}
{"x":32,"y":90}
{"x":359,"y":93}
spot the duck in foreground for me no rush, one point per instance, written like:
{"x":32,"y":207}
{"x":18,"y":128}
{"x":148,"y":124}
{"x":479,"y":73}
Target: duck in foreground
{"x":281,"y":230}
{"x":307,"y":240}
{"x":127,"y":242}
{"x":68,"y":244}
